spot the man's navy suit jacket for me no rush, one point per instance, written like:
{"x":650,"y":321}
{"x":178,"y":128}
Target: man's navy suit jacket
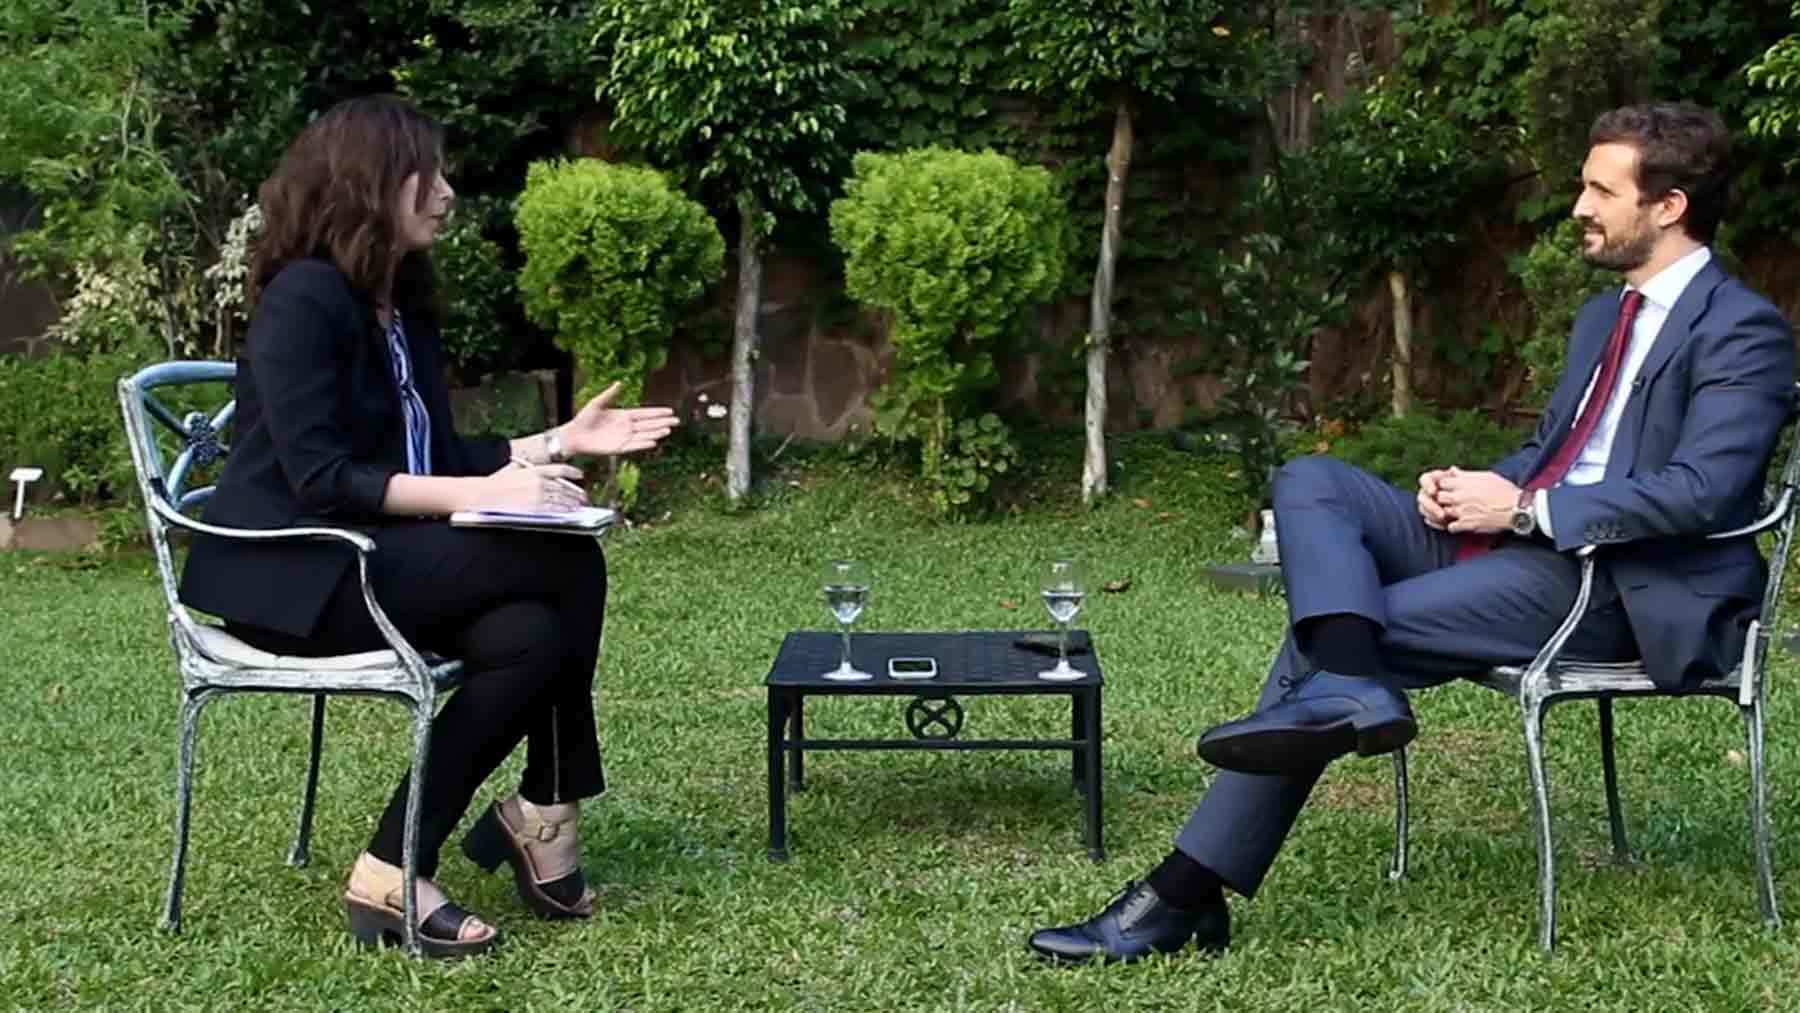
{"x":318,"y":433}
{"x":1689,"y":458}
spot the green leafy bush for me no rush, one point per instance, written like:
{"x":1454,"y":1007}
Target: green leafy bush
{"x":977,"y":450}
{"x":611,"y":254}
{"x":478,"y":290}
{"x":61,"y":413}
{"x":1271,"y":297}
{"x":1399,"y":449}
{"x":1556,"y":281}
{"x":956,"y":246}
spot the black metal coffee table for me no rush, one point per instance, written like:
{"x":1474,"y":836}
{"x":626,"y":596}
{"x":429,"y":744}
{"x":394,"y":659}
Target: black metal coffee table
{"x":980,"y":663}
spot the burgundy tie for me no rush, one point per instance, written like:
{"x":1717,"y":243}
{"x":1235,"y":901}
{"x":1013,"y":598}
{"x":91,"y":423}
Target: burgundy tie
{"x":1552,"y":470}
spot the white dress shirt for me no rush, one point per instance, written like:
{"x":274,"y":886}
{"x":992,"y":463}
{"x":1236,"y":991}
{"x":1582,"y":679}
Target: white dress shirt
{"x":1660,"y":293}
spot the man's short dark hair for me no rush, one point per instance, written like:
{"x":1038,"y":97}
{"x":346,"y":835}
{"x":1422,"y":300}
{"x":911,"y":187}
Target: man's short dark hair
{"x":1680,"y":146}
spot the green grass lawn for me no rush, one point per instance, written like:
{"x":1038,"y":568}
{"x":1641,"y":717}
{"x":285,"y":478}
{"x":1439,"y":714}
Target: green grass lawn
{"x":914,"y":877}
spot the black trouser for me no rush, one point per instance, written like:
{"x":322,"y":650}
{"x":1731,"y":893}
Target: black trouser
{"x":523,"y":611}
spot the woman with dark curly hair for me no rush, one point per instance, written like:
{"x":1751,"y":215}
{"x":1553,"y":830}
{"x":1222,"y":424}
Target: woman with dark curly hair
{"x":343,"y":417}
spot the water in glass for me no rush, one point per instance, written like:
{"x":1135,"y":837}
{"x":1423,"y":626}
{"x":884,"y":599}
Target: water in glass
{"x":846,"y":585}
{"x":846,"y":600}
{"x":1062,"y":604}
{"x":1062,"y":586}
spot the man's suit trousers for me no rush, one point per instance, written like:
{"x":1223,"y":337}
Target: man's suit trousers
{"x":1353,"y":544}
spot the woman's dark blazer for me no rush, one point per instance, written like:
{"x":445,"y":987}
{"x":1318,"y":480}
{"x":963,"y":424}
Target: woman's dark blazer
{"x":318,"y":433}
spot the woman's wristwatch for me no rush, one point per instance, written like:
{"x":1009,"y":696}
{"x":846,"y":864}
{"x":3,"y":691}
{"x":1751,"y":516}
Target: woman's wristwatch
{"x":553,"y":445}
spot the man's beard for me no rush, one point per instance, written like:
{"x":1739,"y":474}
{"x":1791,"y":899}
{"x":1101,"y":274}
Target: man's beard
{"x":1621,"y":253}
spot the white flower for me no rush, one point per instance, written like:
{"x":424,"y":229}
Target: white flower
{"x":716,"y":411}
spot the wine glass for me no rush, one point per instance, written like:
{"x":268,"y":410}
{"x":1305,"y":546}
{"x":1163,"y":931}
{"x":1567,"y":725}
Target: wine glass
{"x":1063,"y":585}
{"x":846,"y":583}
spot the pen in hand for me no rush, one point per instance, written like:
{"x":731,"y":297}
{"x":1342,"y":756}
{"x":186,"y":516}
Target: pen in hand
{"x":580,"y":493}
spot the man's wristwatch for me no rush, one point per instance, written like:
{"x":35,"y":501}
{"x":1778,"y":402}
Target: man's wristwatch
{"x":1524,"y":515}
{"x":553,"y":447}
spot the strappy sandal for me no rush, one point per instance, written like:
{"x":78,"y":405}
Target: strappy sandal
{"x":545,"y":856}
{"x":374,"y":922}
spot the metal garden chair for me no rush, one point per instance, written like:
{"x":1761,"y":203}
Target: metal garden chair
{"x":1549,"y":679}
{"x":212,"y":662}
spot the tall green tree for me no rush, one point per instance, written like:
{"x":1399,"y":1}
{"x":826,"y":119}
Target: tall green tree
{"x":745,"y":98}
{"x":1132,"y":52}
{"x":1391,"y":179}
{"x":82,"y":129}
{"x":1777,"y":71}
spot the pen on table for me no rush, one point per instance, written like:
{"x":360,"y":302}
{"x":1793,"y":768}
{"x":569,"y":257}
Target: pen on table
{"x":565,"y":483}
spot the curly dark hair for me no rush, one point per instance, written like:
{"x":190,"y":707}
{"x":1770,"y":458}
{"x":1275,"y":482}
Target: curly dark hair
{"x":332,"y":196}
{"x":1680,"y":146}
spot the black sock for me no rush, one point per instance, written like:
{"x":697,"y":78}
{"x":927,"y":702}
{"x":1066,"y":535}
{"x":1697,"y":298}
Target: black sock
{"x":1185,"y":883}
{"x":1342,"y":642}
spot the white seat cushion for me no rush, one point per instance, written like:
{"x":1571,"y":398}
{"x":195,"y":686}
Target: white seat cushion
{"x":226,"y":649}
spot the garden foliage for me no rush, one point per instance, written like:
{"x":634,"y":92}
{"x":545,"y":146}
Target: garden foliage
{"x":1556,"y":281}
{"x":137,"y":135}
{"x":1401,"y":449}
{"x":1272,"y":296}
{"x":612,"y":253}
{"x":742,"y":100}
{"x":61,"y":413}
{"x":478,"y":290}
{"x":956,"y":246}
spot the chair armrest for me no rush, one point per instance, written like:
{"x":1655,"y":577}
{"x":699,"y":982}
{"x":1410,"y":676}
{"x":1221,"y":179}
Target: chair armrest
{"x":409,"y":656}
{"x":1552,"y":648}
{"x":361,"y":542}
{"x":1763,"y":523}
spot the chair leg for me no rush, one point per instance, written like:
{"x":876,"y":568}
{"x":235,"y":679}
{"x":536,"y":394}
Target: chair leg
{"x":1397,"y":865}
{"x":409,"y":889}
{"x":1532,"y":711}
{"x":1759,"y":814}
{"x":298,"y":854}
{"x":1615,"y":813}
{"x":184,"y":786}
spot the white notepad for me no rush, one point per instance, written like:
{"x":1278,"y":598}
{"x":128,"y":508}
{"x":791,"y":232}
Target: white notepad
{"x":580,"y":521}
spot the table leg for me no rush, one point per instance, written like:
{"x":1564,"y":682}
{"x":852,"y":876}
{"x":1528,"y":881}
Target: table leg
{"x":778,"y":703}
{"x":797,"y":772}
{"x":1091,"y":711}
{"x":1077,"y":729}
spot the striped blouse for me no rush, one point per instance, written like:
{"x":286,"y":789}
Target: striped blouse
{"x":418,"y":423}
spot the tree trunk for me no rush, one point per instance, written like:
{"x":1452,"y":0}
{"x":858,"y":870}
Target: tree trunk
{"x":743,"y":348}
{"x":1118,"y":165}
{"x":1402,"y":342}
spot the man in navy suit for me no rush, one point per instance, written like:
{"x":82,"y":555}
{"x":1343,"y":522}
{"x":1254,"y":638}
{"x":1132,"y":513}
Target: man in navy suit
{"x":1658,"y":433}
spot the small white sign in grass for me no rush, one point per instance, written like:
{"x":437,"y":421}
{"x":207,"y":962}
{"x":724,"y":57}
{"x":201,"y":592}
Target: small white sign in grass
{"x":23,"y":477}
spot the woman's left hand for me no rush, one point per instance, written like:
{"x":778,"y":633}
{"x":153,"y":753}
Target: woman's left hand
{"x":598,"y":429}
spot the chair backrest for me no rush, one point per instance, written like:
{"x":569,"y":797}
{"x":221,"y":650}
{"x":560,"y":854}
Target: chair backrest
{"x":1781,"y":505}
{"x":196,"y":438}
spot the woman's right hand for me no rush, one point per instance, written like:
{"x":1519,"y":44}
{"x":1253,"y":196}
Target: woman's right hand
{"x":535,"y":487}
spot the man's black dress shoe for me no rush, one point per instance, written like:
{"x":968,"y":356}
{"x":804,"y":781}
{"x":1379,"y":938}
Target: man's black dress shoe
{"x":1322,"y":716}
{"x":1137,"y":922}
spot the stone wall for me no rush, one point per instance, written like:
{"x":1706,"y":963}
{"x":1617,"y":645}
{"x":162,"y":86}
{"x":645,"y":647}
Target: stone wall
{"x":816,"y":370}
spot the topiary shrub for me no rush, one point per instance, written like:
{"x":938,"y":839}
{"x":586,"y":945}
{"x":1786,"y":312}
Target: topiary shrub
{"x":955,"y":246}
{"x":612,"y":252}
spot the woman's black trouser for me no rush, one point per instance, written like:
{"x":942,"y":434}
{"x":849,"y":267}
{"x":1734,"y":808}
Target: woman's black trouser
{"x":523,"y":612}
